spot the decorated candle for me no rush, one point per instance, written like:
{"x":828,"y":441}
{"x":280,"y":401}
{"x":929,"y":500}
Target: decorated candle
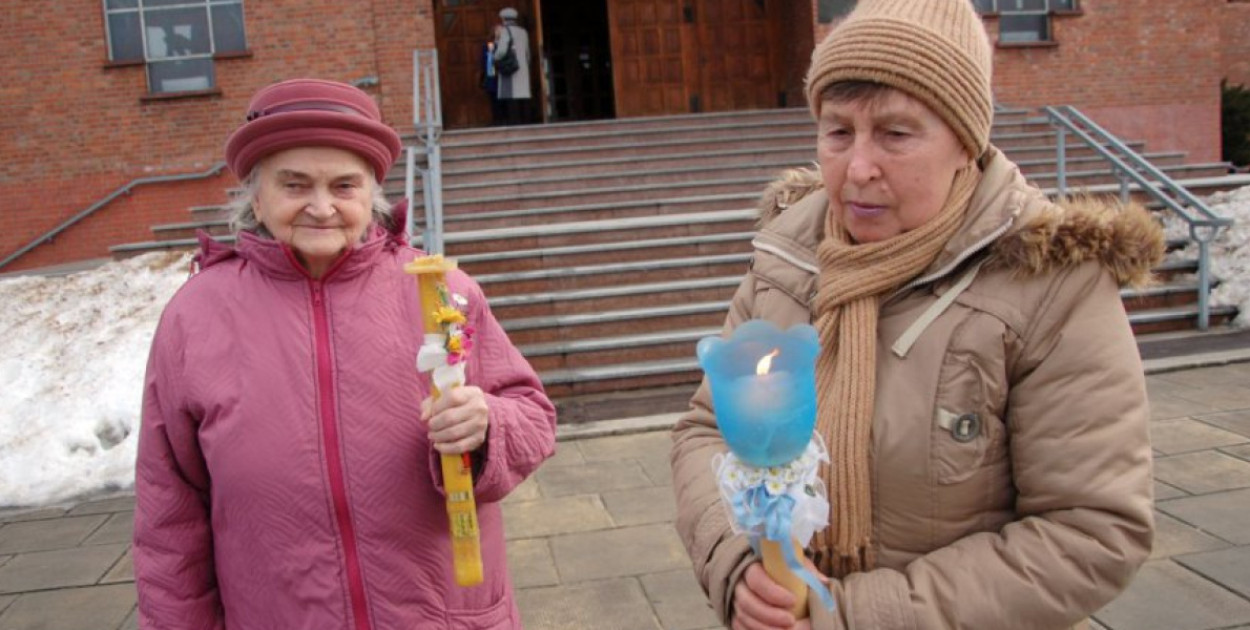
{"x":447,"y":341}
{"x":763,"y":386}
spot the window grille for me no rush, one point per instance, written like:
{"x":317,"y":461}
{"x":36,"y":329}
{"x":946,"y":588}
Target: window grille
{"x":1024,"y":21}
{"x":176,"y":39}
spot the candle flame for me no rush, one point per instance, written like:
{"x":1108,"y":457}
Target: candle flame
{"x":766,"y":363}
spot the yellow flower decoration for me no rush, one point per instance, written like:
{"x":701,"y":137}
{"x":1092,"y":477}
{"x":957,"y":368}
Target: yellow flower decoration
{"x":454,"y":344}
{"x":448,"y":315}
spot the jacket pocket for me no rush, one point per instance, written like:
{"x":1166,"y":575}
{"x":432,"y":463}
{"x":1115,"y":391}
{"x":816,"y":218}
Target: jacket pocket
{"x":967,"y":431}
{"x":497,"y":616}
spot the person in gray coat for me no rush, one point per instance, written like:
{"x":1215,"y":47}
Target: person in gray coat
{"x":513,"y":89}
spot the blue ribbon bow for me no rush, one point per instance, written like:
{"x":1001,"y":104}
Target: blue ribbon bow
{"x":762,"y":514}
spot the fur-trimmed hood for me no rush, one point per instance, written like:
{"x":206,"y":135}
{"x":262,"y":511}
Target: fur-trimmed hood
{"x":1023,"y":230}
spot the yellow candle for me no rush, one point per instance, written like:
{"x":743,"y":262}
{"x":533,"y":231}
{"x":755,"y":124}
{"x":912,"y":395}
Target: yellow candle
{"x":466,"y":547}
{"x":775,"y":566}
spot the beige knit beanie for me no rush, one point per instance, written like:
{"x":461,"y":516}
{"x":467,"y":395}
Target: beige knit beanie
{"x":934,"y":50}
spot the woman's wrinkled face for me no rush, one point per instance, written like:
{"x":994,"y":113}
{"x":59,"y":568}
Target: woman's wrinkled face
{"x":318,"y":200}
{"x":888,"y":162}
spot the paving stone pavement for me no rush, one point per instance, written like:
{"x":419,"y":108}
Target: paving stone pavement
{"x":591,"y":544}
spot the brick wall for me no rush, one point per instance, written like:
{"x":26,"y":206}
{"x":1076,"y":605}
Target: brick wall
{"x":1145,"y":69}
{"x":1235,"y":42}
{"x":72,"y":128}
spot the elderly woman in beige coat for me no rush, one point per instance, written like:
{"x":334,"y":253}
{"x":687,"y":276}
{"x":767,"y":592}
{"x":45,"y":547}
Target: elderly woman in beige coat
{"x":979,"y":387}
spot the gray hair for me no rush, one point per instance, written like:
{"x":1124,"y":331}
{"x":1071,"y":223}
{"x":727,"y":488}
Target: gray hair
{"x":242,"y":209}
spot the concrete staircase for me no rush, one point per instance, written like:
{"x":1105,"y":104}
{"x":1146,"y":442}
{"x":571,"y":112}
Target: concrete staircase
{"x":609,"y":248}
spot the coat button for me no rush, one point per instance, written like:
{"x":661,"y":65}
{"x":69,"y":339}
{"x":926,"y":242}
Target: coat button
{"x":966,"y":428}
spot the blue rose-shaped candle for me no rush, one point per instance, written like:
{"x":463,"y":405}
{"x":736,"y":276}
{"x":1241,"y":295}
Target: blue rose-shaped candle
{"x":763,"y":389}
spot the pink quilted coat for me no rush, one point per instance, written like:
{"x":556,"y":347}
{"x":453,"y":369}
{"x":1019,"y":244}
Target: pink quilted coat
{"x":284,"y":478}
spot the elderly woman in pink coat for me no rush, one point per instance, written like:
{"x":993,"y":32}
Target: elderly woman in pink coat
{"x":288,"y":474}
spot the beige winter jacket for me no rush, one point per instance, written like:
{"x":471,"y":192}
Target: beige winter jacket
{"x":1011,"y":461}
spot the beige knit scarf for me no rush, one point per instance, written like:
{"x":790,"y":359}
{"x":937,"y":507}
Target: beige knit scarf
{"x":853,"y":280}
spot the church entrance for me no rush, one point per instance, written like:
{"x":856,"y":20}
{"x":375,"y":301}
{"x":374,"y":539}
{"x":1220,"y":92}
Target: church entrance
{"x":596,"y":59}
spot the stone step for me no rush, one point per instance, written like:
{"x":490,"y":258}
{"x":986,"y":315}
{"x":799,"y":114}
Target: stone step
{"x":669,"y":145}
{"x":708,"y":184}
{"x":1010,"y":143}
{"x":1174,"y":293}
{"x":489,"y":172}
{"x":621,"y":377}
{"x":599,"y":211}
{"x":455,"y":147}
{"x":187,"y":230}
{"x":669,"y":344}
{"x":571,"y":233}
{"x":619,"y":251}
{"x":638,"y":179}
{"x":1049,"y":153}
{"x":612,"y":274}
{"x":611,"y":298}
{"x":1177,"y":318}
{"x":1098,"y":176}
{"x":640,"y":123}
{"x":567,"y":327}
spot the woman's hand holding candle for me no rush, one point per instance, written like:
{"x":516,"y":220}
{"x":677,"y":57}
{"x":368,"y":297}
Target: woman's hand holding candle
{"x":457,"y":420}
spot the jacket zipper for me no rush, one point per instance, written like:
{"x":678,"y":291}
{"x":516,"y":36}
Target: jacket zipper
{"x":330,"y":435}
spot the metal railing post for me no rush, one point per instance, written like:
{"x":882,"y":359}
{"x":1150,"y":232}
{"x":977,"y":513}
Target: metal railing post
{"x":428,"y":119}
{"x":435,"y":215}
{"x":1061,"y":162}
{"x":410,"y":177}
{"x":1204,"y":284}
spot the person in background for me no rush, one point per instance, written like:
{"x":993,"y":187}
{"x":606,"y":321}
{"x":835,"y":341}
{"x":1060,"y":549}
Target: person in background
{"x":288,"y":467}
{"x":514,"y":89}
{"x":978,"y":386}
{"x":490,"y":84}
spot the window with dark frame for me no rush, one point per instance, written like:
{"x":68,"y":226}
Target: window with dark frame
{"x":1024,"y":21}
{"x":176,"y":39}
{"x":830,"y":10}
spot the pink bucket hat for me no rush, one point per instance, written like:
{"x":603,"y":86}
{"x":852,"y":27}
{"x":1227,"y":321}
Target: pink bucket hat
{"x":312,"y":113}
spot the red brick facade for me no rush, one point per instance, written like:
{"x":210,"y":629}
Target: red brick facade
{"x":1235,"y":42}
{"x":74,"y":128}
{"x":1144,"y":69}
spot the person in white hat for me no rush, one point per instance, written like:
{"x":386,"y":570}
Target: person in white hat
{"x":513,"y":88}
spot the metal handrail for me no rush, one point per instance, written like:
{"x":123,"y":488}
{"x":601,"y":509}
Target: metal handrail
{"x":1127,"y":164}
{"x":427,"y":117}
{"x":124,"y":190}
